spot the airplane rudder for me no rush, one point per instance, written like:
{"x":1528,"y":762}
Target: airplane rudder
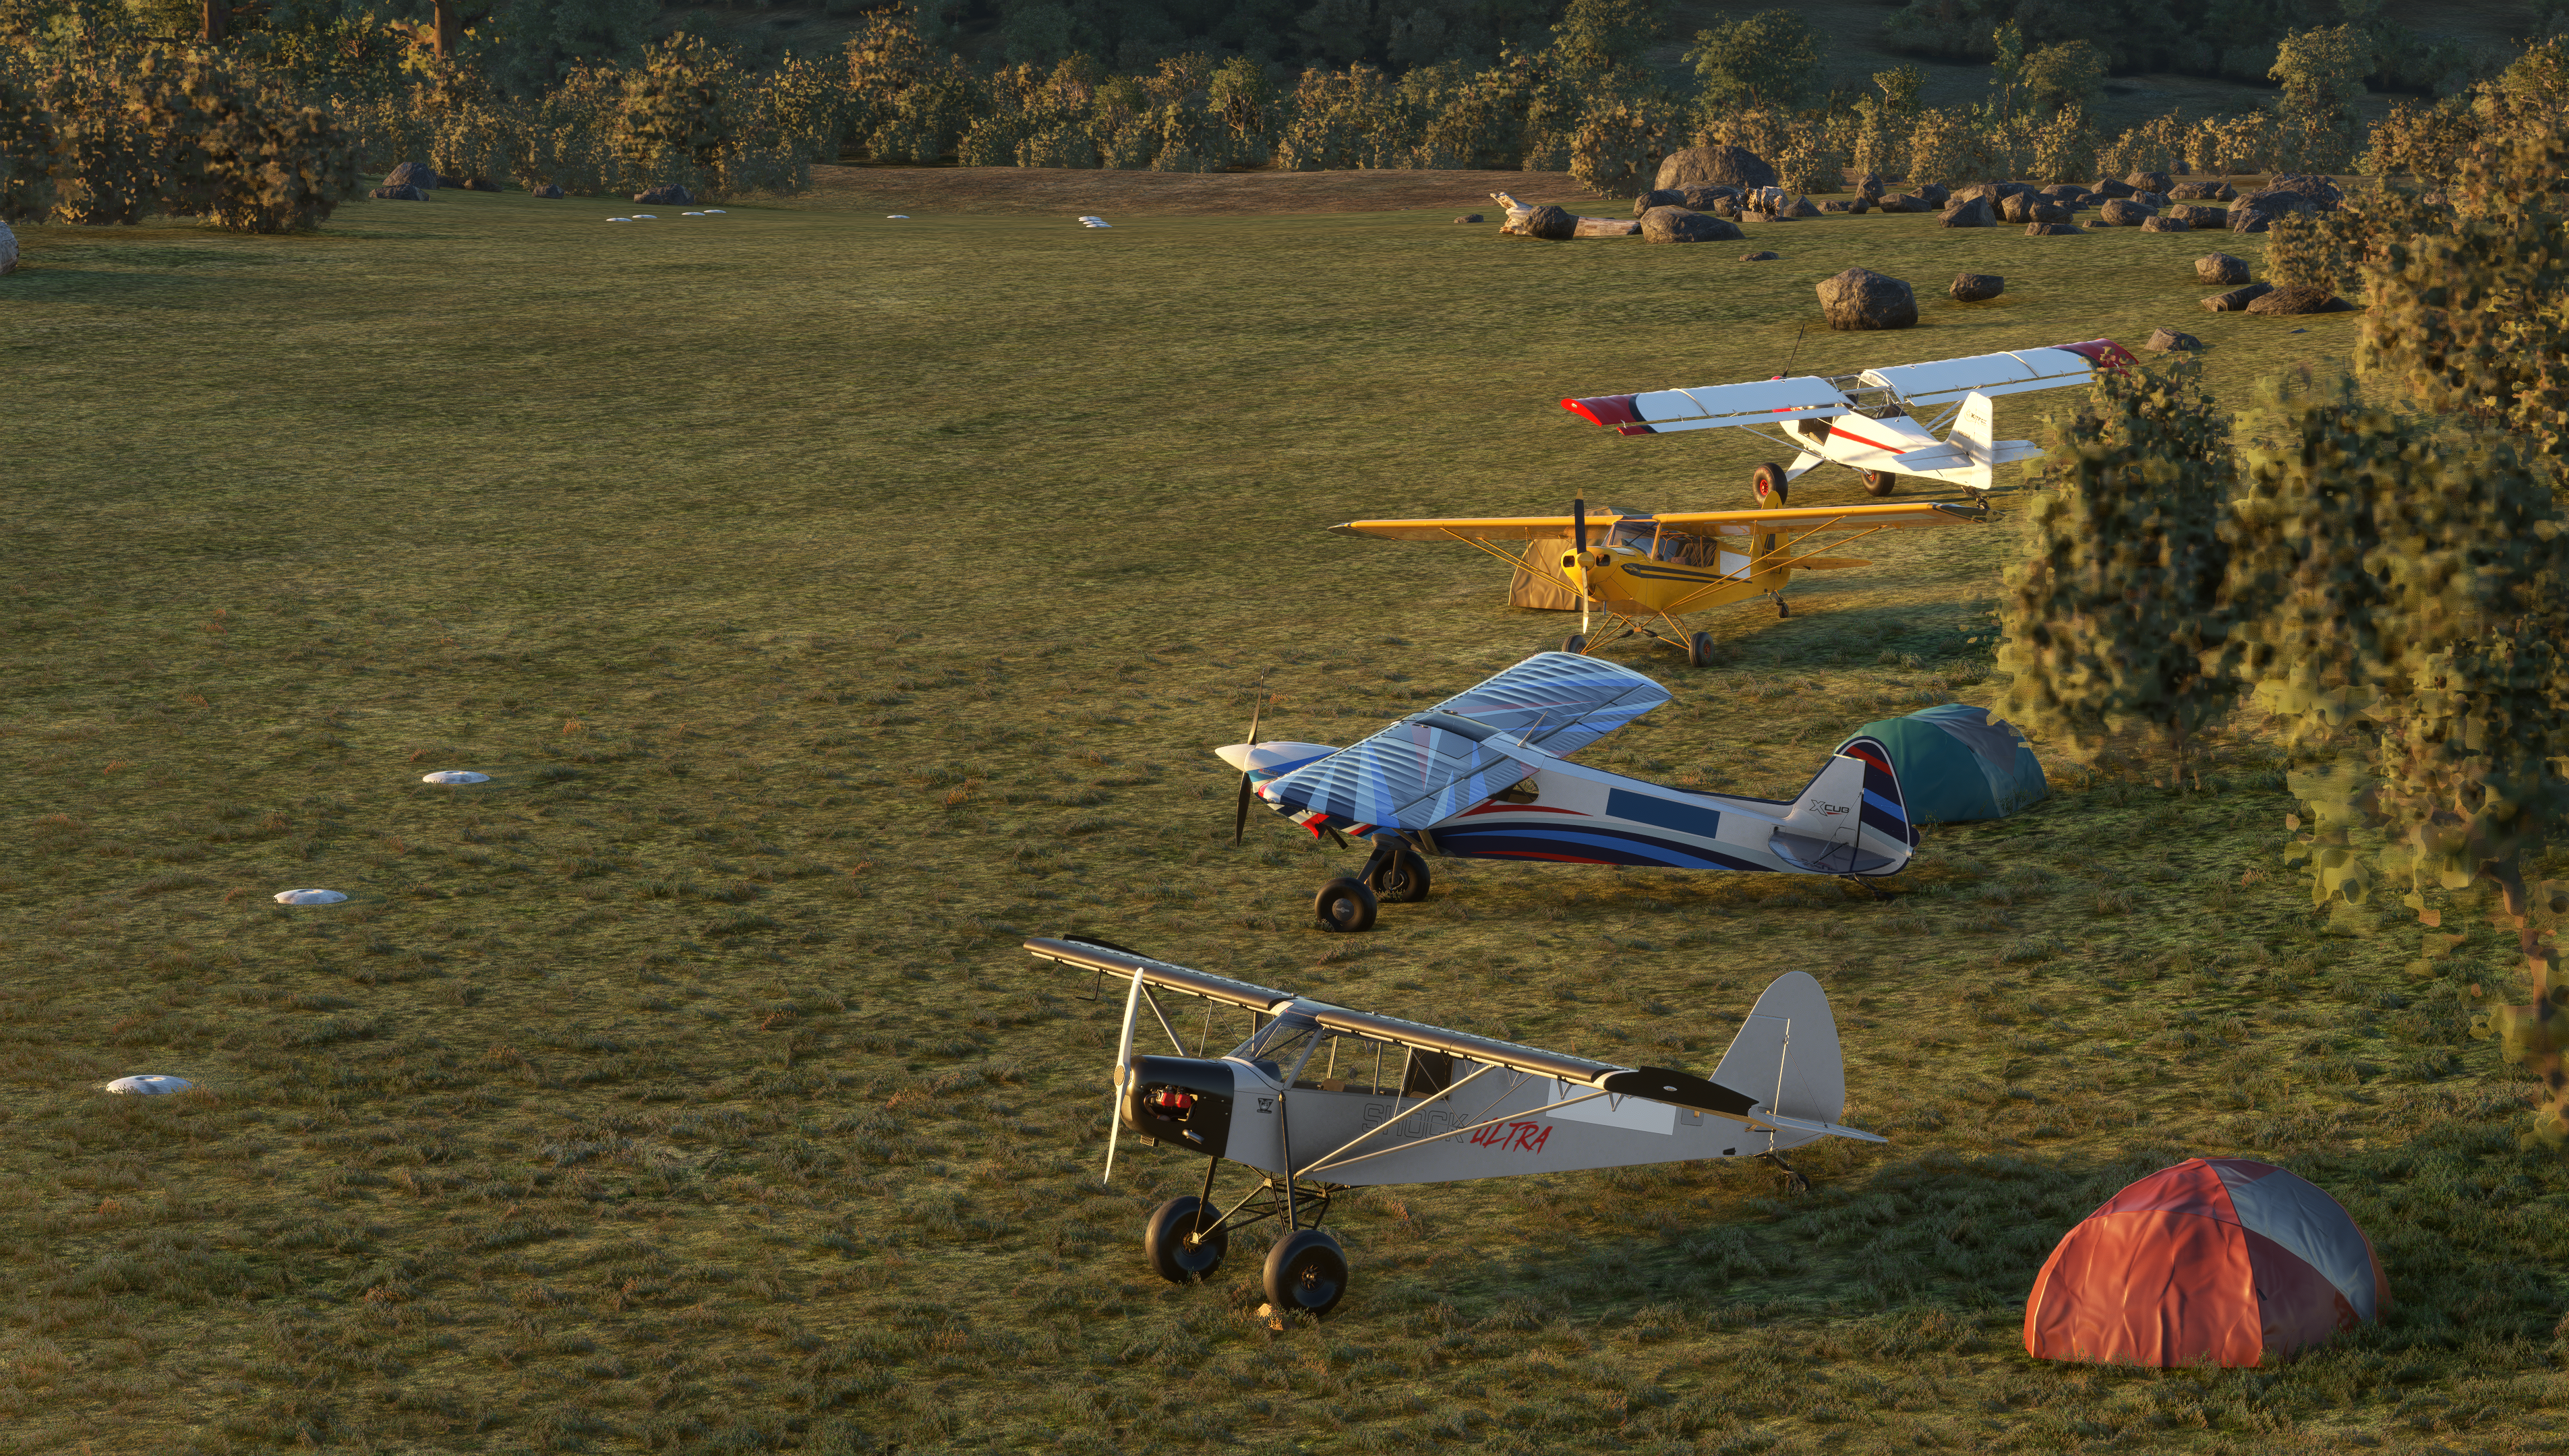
{"x":1886,"y":811}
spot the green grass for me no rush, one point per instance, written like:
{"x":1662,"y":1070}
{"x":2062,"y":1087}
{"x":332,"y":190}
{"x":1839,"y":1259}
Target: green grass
{"x":837,"y":600}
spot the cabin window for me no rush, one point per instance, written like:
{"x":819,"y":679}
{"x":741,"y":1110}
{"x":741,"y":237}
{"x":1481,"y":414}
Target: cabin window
{"x":1519,"y":792}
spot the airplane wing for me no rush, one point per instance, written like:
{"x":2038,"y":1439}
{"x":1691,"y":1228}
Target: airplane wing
{"x":1108,"y":959}
{"x":1946,"y":381}
{"x":1697,"y":523}
{"x":1433,"y":765}
{"x":1710,"y":407}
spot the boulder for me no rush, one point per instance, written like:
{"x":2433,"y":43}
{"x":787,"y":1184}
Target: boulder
{"x":2065,"y":193}
{"x":2124,"y":212}
{"x":2045,"y":212}
{"x":1697,"y":166}
{"x":1859,"y":204}
{"x":2051,"y":229}
{"x":1970,"y":213}
{"x":2149,"y":182}
{"x":2165,"y":340}
{"x":2219,"y":267}
{"x":1469,"y":217}
{"x":2237,"y":299}
{"x":480,"y":184}
{"x":1977,"y":287}
{"x":1758,"y":258}
{"x":2109,"y":188}
{"x":1677,"y":224}
{"x":2207,"y":217}
{"x":1861,"y":298}
{"x":7,"y":250}
{"x":546,"y":191}
{"x":2150,"y":199}
{"x":1904,"y":202}
{"x":1934,"y":195}
{"x":411,"y":174}
{"x":669,"y":193}
{"x":1990,"y":190}
{"x":1706,"y":199}
{"x":2167,"y":224}
{"x":1800,"y":208}
{"x":2018,"y":209}
{"x":2258,"y":211}
{"x":398,"y":195}
{"x":2321,"y":193}
{"x":2291,"y":299}
{"x":1870,"y":188}
{"x":1660,"y":198}
{"x":1835,"y":204}
{"x":1728,"y":207}
{"x":1548,"y":222}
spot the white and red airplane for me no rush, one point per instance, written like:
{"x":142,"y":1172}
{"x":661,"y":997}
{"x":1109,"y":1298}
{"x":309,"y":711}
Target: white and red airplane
{"x":1870,"y":422}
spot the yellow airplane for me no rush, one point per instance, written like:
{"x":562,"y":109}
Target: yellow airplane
{"x":1644,"y":569}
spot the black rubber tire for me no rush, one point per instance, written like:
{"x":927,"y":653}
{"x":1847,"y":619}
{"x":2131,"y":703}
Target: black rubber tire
{"x":1699,"y":651}
{"x":1880,"y":482}
{"x":1307,"y":1273}
{"x":1574,"y":643}
{"x":1345,"y":905}
{"x":1771,"y":488}
{"x":1783,"y":608}
{"x":1402,"y":880}
{"x":1163,"y":1241}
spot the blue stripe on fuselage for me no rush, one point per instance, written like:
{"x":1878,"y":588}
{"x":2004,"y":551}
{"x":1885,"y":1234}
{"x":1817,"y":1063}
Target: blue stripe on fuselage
{"x":1673,"y":814}
{"x":1613,"y":847}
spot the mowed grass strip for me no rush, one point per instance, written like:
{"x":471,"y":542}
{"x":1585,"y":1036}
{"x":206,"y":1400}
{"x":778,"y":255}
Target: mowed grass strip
{"x":836,"y":601}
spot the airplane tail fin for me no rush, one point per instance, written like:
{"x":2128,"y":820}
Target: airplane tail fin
{"x":1972,"y":429}
{"x":1787,"y":1056}
{"x":1850,"y":819}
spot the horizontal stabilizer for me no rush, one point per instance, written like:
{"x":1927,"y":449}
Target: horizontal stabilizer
{"x":1818,"y":1129}
{"x":1759,"y":402}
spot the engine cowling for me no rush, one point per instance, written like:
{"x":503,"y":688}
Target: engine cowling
{"x":1181,"y":1102}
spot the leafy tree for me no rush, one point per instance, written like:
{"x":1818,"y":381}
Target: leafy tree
{"x":2066,"y":76}
{"x":1768,"y":61}
{"x":2116,"y":618}
{"x":1899,"y":87}
{"x":2006,"y":68}
{"x":2321,"y":72}
{"x":1598,"y":37}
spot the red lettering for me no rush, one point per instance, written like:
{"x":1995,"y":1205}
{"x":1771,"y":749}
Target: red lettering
{"x":1540,"y":1139}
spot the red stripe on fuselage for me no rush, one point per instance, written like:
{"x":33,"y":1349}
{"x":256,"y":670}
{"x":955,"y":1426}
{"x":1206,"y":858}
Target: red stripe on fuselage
{"x":1497,"y":808}
{"x":1531,"y":855}
{"x":1860,"y":440}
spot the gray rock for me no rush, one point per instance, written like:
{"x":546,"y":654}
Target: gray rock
{"x":398,"y":195}
{"x":1905,"y":202}
{"x":2150,"y":199}
{"x":2046,"y":212}
{"x":1728,"y":207}
{"x":2124,"y":212}
{"x":2237,"y":299}
{"x":2051,"y":229}
{"x":2291,"y":299}
{"x":1970,"y":213}
{"x":2149,"y":182}
{"x":2065,"y":193}
{"x":1977,"y":287}
{"x":2165,"y":340}
{"x":1697,"y":166}
{"x":1934,"y":195}
{"x":1549,"y":222}
{"x":1838,"y":204}
{"x":2258,"y":211}
{"x":7,"y":250}
{"x":1707,"y":200}
{"x":2205,"y":218}
{"x":1677,"y":224}
{"x":2219,"y":267}
{"x":1658,"y":197}
{"x":1870,"y":188}
{"x":2191,"y":192}
{"x":1758,"y":258}
{"x":669,"y":193}
{"x":480,"y":184}
{"x":413,"y":175}
{"x":1800,"y":208}
{"x":1861,"y":298}
{"x":546,"y":191}
{"x":1859,"y":204}
{"x":2017,"y":207}
{"x":2167,"y":224}
{"x":2109,"y":188}
{"x":2323,"y":194}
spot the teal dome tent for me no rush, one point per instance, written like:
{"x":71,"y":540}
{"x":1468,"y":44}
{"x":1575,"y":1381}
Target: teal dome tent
{"x":1957,"y":763}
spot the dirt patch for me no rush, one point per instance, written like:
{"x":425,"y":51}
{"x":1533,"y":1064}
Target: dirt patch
{"x":1070,"y":192}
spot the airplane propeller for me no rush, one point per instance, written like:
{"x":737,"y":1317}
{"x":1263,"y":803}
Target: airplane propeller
{"x":1578,"y":542}
{"x":1239,"y":826}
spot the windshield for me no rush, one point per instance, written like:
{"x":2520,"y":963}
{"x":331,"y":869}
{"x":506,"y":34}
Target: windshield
{"x":1296,"y":1048}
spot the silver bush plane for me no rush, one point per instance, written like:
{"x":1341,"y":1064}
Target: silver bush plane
{"x":1487,"y":775}
{"x":1869,"y":422}
{"x":1319,"y":1099}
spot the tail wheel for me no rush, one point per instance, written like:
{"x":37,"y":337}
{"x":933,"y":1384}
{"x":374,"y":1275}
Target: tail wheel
{"x":1185,"y":1240}
{"x":1772,"y":487}
{"x":1880,"y":482}
{"x":1402,"y":880}
{"x":1345,"y":905}
{"x":1307,"y":1273}
{"x":1574,"y":643}
{"x":1699,"y":651}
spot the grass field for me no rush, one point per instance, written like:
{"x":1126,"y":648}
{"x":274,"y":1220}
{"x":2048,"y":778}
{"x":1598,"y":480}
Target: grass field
{"x":837,"y":600}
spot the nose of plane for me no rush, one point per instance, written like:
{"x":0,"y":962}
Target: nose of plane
{"x":1234,"y":754}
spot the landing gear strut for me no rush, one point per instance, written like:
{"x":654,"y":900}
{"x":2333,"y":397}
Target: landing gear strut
{"x":1306,"y":1269}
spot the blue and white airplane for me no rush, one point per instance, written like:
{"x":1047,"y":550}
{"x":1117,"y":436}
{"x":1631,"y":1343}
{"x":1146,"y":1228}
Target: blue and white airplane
{"x":1487,"y":775}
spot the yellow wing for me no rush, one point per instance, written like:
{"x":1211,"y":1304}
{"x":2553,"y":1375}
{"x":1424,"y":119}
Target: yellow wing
{"x":1799,"y":520}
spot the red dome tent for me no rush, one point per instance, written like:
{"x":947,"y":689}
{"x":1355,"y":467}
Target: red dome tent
{"x":2215,"y":1256}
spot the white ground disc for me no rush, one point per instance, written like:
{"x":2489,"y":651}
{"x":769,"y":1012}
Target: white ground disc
{"x":713,"y":212}
{"x":895,"y":217}
{"x":455,"y":776}
{"x":309,"y":896}
{"x":150,"y":1084}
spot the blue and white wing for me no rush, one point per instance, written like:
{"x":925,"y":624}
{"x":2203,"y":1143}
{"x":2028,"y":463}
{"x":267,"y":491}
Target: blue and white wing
{"x":1558,"y":701}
